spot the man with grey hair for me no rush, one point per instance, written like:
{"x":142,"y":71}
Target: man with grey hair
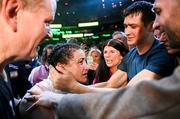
{"x":121,"y":36}
{"x":24,"y":24}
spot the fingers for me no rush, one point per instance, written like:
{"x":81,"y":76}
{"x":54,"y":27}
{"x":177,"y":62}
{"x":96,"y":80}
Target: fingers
{"x":32,"y":92}
{"x":31,"y":97}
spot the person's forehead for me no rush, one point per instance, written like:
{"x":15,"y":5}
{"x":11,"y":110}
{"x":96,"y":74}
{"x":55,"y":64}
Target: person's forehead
{"x":79,"y":54}
{"x":133,"y":18}
{"x":95,"y":52}
{"x":164,"y":3}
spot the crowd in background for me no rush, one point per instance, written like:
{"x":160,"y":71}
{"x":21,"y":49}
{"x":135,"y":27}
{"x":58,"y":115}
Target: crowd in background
{"x":122,"y":77}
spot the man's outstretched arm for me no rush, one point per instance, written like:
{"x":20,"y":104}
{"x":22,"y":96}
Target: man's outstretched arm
{"x":147,"y":99}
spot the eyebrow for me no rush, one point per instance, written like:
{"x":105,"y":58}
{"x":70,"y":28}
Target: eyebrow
{"x":131,"y":24}
{"x":78,"y":59}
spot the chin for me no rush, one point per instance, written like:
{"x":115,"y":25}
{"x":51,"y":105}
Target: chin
{"x":31,"y":56}
{"x":83,"y":81}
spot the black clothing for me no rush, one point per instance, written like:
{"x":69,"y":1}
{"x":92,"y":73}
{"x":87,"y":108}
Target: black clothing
{"x":7,"y":106}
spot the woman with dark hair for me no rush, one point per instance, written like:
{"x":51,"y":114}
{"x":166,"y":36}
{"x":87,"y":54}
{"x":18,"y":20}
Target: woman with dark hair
{"x":68,"y":56}
{"x":113,"y":53}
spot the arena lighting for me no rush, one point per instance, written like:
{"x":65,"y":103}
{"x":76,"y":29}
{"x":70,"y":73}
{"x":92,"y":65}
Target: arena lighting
{"x":106,"y":35}
{"x":55,"y":39}
{"x":88,"y":24}
{"x":88,"y":34}
{"x":95,"y":37}
{"x":72,"y":35}
{"x":55,"y":25}
{"x":56,"y":31}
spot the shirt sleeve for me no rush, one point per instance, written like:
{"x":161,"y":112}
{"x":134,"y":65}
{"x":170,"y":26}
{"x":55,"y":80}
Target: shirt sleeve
{"x":123,"y":65}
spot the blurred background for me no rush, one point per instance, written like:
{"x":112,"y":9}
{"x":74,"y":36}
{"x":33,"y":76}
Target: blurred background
{"x":87,"y":20}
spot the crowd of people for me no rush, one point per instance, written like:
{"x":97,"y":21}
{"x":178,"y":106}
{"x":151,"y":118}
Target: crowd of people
{"x":135,"y":75}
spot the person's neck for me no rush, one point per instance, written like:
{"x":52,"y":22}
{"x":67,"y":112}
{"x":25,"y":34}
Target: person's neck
{"x":3,"y":60}
{"x":113,"y":69}
{"x":144,"y":46}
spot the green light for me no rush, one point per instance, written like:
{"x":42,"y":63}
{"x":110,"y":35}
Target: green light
{"x":68,"y":32}
{"x":88,"y":24}
{"x":106,"y":35}
{"x":73,"y":35}
{"x":56,"y":31}
{"x":76,"y":32}
{"x":62,"y":32}
{"x":95,"y":37}
{"x":55,"y":39}
{"x":55,"y":25}
{"x":84,"y":38}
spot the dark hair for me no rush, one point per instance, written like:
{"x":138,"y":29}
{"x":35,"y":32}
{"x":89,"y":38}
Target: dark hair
{"x":141,"y":7}
{"x":45,"y":56}
{"x":118,"y":45}
{"x":62,"y":53}
{"x":102,"y":72}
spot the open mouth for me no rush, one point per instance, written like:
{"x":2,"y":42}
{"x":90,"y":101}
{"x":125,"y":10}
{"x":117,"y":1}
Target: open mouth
{"x":108,"y":61}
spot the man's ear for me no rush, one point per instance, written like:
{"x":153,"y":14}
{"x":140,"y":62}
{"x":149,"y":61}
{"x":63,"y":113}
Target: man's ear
{"x":10,"y":9}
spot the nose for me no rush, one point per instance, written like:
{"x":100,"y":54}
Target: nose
{"x":106,"y":55}
{"x":86,"y":66}
{"x":127,"y":31}
{"x":49,"y":32}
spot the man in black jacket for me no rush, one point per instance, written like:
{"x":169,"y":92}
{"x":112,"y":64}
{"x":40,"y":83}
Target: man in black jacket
{"x":24,"y":24}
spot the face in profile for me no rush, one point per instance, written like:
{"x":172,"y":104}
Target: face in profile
{"x":34,"y":25}
{"x":165,"y":40}
{"x":167,"y":17}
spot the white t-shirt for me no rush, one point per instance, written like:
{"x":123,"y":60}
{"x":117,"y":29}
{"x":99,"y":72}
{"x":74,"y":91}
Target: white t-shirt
{"x":47,"y":83}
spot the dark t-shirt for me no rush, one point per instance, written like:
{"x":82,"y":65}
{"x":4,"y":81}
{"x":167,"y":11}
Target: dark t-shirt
{"x":156,"y":60}
{"x":7,"y":107}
